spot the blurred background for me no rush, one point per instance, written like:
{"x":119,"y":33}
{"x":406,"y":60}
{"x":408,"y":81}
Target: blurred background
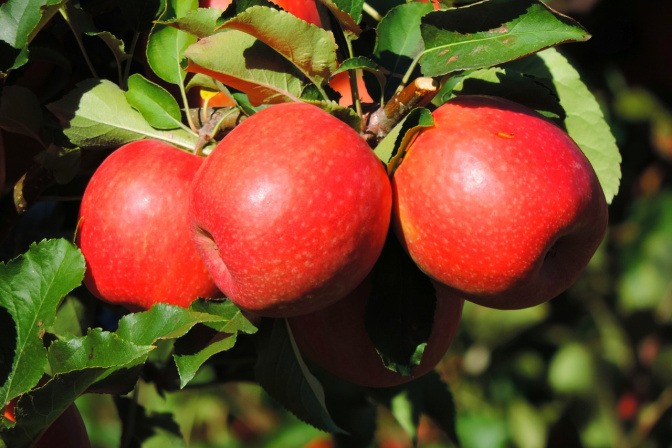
{"x":592,"y":368}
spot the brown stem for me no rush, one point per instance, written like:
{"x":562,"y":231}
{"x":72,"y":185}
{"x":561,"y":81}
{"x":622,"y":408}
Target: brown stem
{"x":416,"y":94}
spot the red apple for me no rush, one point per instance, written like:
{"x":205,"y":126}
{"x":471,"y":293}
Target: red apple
{"x":290,"y":210}
{"x":68,"y":430}
{"x":335,"y":338}
{"x":341,"y":84}
{"x":498,"y":203}
{"x":133,"y":228}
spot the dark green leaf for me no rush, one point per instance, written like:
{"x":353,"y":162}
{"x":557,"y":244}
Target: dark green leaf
{"x":31,"y":287}
{"x":366,"y":64}
{"x":282,"y":373}
{"x":139,"y":425}
{"x":351,"y":7}
{"x":37,"y":409}
{"x":347,"y":18}
{"x":400,"y":310}
{"x":155,"y":103}
{"x":20,"y":112}
{"x":491,"y":32}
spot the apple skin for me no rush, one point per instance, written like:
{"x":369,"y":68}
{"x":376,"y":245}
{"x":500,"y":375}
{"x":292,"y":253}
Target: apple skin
{"x":290,"y":211}
{"x":68,"y":430}
{"x":335,"y":338}
{"x":498,"y":203}
{"x":133,"y":228}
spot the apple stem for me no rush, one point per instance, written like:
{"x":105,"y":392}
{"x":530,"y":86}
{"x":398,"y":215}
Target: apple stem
{"x":416,"y":94}
{"x":224,"y":118}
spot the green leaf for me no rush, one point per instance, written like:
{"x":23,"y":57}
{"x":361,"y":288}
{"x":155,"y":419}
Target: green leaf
{"x":231,"y":322}
{"x":31,"y":287}
{"x":231,"y":319}
{"x":166,"y":45}
{"x":394,"y":144}
{"x":37,"y":409}
{"x":98,"y":349}
{"x":585,"y":122}
{"x":399,"y":41}
{"x":144,"y":426}
{"x":491,"y":32}
{"x":155,"y":103}
{"x":366,"y":64}
{"x":72,"y":319}
{"x":351,"y":7}
{"x":81,"y":22}
{"x":250,"y":66}
{"x":188,"y":365}
{"x":162,"y":321}
{"x":20,"y":112}
{"x":201,"y":23}
{"x":20,"y":21}
{"x":511,"y":82}
{"x":311,"y":49}
{"x":427,"y":395}
{"x":96,"y":114}
{"x":347,"y":12}
{"x":282,"y":373}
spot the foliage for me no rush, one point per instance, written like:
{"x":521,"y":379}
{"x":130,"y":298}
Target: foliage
{"x":81,"y":78}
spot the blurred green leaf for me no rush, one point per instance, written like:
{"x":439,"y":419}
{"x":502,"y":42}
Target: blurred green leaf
{"x":96,"y":114}
{"x":478,"y":430}
{"x":572,"y":370}
{"x":491,"y":32}
{"x":528,"y":428}
{"x":646,"y":255}
{"x":31,"y":287}
{"x":497,"y":327}
{"x":155,"y":103}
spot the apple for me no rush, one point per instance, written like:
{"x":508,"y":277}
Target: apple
{"x":133,"y":228}
{"x":68,"y":430}
{"x":336,"y":339}
{"x":341,"y":84}
{"x":498,"y":203}
{"x":290,"y":210}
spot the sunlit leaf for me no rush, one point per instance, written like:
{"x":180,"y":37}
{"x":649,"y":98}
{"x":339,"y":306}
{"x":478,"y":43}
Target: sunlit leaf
{"x":311,"y":49}
{"x":249,"y":66}
{"x":96,"y":114}
{"x":155,"y":103}
{"x":491,"y":32}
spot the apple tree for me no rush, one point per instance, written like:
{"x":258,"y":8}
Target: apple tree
{"x":224,"y":206}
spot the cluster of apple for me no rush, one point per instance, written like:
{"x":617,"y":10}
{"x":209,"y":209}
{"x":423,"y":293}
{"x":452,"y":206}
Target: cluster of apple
{"x":289,"y":214}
